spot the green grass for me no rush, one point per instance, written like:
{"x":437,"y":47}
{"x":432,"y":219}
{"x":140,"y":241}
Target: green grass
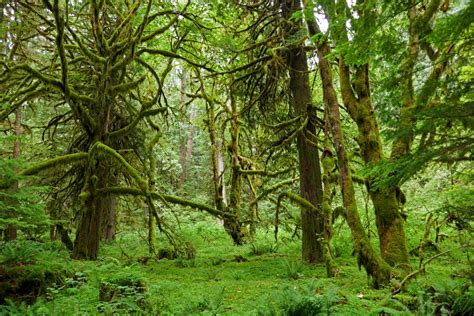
{"x":214,"y":282}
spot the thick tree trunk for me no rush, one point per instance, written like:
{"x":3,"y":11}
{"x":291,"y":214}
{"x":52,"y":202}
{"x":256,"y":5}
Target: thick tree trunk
{"x":108,"y":225}
{"x":217,"y":160}
{"x":109,"y":205}
{"x":253,"y":209}
{"x":86,"y":244}
{"x":312,"y":222}
{"x":390,"y":225}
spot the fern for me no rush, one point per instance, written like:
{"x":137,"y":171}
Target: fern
{"x":18,"y":252}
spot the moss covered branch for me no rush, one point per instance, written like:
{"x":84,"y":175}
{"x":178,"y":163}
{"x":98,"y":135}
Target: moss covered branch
{"x":296,"y":199}
{"x":274,"y":188}
{"x":98,"y":146}
{"x":66,"y":159}
{"x":166,"y":53}
{"x":168,"y":198}
{"x":121,"y":132}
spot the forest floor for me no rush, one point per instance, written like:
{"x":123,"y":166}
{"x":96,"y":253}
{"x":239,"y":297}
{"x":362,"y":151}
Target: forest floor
{"x":263,"y":278}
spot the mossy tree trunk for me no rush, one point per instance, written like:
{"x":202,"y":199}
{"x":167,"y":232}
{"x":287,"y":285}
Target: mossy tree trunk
{"x":10,"y":45}
{"x":216,"y":149}
{"x":233,"y":224}
{"x":253,"y":208}
{"x":312,"y":219}
{"x":86,"y":244}
{"x":11,"y":230}
{"x":110,"y":216}
{"x":328,"y":165}
{"x":374,"y":265}
{"x":356,"y":96}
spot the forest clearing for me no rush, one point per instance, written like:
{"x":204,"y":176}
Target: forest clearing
{"x":244,"y":157}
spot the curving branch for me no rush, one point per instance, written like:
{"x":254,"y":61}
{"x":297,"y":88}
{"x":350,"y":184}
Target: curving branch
{"x":172,"y":55}
{"x":101,"y":147}
{"x":123,"y":131}
{"x":168,"y":198}
{"x":273,"y":188}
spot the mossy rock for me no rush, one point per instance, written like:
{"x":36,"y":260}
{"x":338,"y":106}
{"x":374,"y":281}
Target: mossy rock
{"x":27,"y":282}
{"x":167,"y":253}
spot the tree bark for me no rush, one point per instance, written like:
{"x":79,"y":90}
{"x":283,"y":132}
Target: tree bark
{"x":373,"y":264}
{"x":366,"y":257}
{"x":11,"y":232}
{"x":356,"y":96}
{"x":86,"y":244}
{"x":312,"y":222}
{"x":232,"y":223}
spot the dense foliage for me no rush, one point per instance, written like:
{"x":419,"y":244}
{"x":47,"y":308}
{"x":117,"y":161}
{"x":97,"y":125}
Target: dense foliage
{"x":187,"y":157}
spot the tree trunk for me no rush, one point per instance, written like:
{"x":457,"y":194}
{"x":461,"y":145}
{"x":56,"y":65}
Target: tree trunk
{"x":312,"y":222}
{"x":186,"y":148}
{"x":10,"y":232}
{"x":108,"y":225}
{"x":328,"y":164}
{"x":217,"y":160}
{"x":151,"y":233}
{"x":366,"y":256}
{"x":110,"y":211}
{"x":232,"y":223}
{"x":373,"y":264}
{"x":253,"y":209}
{"x":86,"y":244}
{"x":356,"y":97}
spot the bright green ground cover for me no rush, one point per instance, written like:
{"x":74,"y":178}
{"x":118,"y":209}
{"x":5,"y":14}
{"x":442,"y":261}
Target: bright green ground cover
{"x":214,"y":282}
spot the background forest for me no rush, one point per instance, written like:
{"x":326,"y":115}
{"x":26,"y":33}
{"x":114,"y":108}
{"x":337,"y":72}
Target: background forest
{"x":244,"y":157}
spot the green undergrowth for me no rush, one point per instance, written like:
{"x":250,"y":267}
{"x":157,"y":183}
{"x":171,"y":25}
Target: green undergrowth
{"x":260,"y":278}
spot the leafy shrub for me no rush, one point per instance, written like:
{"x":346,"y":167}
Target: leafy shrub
{"x":123,"y":295}
{"x":258,"y":249}
{"x":237,"y":275}
{"x":391,"y":306}
{"x":213,"y":305}
{"x":183,"y":263}
{"x":13,"y":309}
{"x":217,"y":261}
{"x":18,"y":252}
{"x":167,"y":253}
{"x":22,"y":205}
{"x":73,"y":282}
{"x":309,"y":300}
{"x":186,"y":250}
{"x":212,"y":274}
{"x":293,"y":269}
{"x":464,"y":304}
